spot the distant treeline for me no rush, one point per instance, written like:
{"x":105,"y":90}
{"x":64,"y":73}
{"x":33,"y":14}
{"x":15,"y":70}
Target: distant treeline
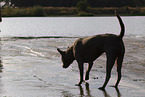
{"x":73,"y":3}
{"x":72,"y":7}
{"x":70,"y":11}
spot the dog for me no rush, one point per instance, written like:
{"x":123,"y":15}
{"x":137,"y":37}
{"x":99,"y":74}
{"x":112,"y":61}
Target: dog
{"x":88,"y":49}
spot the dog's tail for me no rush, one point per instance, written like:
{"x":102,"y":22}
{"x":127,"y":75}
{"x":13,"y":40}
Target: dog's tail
{"x":121,"y":25}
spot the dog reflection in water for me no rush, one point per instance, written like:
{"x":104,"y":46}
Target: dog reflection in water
{"x":89,"y":94}
{"x":88,"y":49}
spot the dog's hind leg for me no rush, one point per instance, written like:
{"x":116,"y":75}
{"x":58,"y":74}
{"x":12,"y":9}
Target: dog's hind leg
{"x":119,"y":66}
{"x":110,"y":62}
{"x":88,"y":70}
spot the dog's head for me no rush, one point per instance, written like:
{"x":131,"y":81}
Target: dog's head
{"x":66,"y":57}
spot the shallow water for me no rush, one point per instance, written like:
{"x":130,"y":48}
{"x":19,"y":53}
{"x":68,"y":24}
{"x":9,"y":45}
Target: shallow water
{"x":32,"y":65}
{"x":70,"y":26}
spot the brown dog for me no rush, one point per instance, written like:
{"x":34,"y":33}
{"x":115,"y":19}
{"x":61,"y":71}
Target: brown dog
{"x":88,"y":49}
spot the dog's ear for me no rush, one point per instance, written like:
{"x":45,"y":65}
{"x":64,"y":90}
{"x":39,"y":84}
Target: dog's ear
{"x":60,"y":51}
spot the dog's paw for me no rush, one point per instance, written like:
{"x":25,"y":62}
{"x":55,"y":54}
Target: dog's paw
{"x":114,"y":86}
{"x":102,"y":88}
{"x":77,"y":84}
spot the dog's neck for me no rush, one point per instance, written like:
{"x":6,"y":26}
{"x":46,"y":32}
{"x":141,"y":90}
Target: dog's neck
{"x":69,"y":53}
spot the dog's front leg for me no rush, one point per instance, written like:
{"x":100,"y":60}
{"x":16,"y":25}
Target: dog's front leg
{"x":88,"y":70}
{"x":81,"y":69}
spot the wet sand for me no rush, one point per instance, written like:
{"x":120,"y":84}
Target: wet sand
{"x":32,"y":68}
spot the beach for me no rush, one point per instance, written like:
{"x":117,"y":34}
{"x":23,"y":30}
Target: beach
{"x":33,"y":68}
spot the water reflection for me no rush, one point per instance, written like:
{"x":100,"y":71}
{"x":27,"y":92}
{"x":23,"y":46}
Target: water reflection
{"x":67,"y":94}
{"x":1,"y":66}
{"x":107,"y":95}
{"x":88,"y":92}
{"x":118,"y":92}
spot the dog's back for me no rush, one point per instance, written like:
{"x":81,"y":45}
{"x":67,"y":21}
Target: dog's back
{"x":90,"y":48}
